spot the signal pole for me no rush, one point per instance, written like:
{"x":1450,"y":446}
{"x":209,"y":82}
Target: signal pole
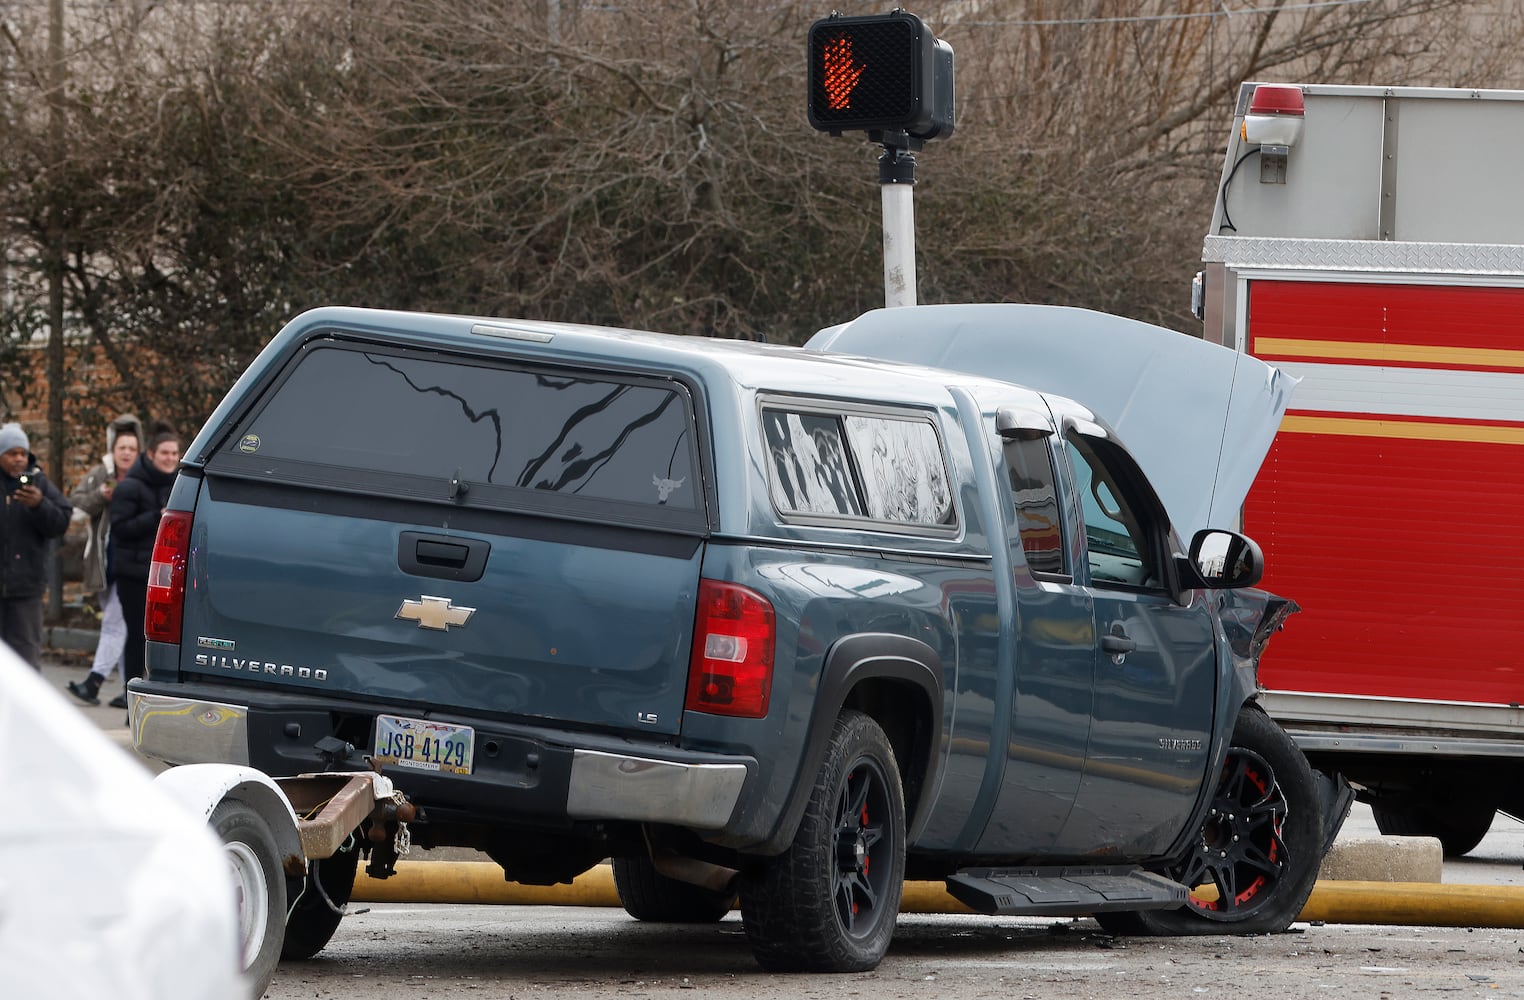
{"x":889,"y":76}
{"x":896,"y":180}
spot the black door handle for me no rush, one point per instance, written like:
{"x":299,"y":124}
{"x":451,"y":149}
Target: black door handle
{"x":442,"y":553}
{"x":442,"y":557}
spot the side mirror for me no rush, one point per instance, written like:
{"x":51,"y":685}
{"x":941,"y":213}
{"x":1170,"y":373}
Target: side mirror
{"x":1019,"y":424}
{"x":1226,"y":560}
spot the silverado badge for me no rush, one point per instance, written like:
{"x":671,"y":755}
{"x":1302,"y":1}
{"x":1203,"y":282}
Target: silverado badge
{"x":434,"y":612}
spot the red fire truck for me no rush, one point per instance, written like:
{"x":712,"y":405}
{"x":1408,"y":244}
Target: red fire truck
{"x":1370,"y":241}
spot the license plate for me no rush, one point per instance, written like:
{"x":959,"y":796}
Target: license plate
{"x":426,"y":746}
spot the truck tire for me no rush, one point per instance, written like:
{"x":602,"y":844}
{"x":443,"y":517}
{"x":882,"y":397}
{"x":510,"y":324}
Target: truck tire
{"x":646,"y":894}
{"x":1458,"y":827}
{"x":829,"y":902}
{"x":312,"y":921}
{"x":1259,"y":847}
{"x":260,"y":886}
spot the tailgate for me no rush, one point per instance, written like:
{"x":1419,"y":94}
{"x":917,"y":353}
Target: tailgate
{"x":593,"y":633}
{"x":455,"y":534}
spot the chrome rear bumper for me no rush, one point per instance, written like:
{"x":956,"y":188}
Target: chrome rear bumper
{"x":188,"y":731}
{"x":602,"y":785}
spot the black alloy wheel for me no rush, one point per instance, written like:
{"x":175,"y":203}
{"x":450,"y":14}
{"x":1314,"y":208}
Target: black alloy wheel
{"x":861,"y":848}
{"x":829,"y":903}
{"x":1242,"y":853}
{"x":1252,"y":864}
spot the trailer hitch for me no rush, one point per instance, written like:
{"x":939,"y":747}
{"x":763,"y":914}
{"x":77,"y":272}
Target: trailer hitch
{"x":333,"y":806}
{"x":388,"y":834}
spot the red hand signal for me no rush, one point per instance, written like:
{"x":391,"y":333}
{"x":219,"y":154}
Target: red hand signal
{"x":841,"y":73}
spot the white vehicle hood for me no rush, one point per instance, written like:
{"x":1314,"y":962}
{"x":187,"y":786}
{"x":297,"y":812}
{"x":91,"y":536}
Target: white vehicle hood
{"x":1199,"y":418}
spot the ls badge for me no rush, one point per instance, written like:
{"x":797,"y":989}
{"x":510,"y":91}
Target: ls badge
{"x":434,"y":612}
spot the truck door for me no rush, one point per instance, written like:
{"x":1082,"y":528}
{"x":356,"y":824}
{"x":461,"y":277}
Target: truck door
{"x":1155,"y":678}
{"x":1054,"y":660}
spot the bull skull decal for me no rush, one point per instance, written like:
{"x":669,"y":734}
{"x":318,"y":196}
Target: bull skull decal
{"x":664,"y":487}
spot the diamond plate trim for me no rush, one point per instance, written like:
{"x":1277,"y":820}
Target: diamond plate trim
{"x":1364,"y":255}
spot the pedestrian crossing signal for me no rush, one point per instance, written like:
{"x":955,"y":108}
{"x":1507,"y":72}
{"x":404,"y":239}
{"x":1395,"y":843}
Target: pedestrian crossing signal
{"x":880,"y":73}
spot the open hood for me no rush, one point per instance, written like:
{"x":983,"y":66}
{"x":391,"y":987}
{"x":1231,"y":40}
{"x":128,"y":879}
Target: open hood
{"x":1199,"y":418}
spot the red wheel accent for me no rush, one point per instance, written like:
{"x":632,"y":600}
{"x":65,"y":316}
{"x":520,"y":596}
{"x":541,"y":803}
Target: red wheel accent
{"x":1241,"y":853}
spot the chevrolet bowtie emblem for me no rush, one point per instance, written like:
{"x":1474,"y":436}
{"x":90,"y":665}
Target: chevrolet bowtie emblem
{"x":434,"y":612}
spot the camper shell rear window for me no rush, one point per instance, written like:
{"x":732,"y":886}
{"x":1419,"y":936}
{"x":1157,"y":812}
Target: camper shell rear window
{"x":423,"y":425}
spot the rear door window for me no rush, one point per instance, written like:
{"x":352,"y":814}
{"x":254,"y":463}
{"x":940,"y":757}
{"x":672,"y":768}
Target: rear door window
{"x":1030,"y":467}
{"x":469,"y":431}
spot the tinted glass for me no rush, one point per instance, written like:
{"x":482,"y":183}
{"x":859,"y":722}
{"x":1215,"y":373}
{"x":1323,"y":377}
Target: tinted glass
{"x":810,"y":470}
{"x":594,"y":437}
{"x":902,"y":471}
{"x":1031,"y":470}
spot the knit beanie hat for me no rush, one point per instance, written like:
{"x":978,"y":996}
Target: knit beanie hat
{"x":12,"y":436}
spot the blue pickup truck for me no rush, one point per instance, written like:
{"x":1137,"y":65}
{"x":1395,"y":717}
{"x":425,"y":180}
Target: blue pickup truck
{"x":758,"y":623}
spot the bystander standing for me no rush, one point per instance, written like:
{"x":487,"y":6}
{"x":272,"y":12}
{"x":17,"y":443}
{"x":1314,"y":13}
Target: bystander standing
{"x":136,"y":505}
{"x":34,"y":512}
{"x":93,"y":496}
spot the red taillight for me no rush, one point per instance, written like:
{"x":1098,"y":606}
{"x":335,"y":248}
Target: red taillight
{"x":731,"y":671}
{"x":166,"y":577}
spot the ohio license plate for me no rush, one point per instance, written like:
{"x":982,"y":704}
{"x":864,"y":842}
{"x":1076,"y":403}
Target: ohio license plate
{"x":427,"y":746}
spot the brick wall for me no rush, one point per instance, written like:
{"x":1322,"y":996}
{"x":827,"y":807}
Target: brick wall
{"x":91,"y":398}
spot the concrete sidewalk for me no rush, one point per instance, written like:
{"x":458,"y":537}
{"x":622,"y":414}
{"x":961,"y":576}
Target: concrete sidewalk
{"x":66,"y":657}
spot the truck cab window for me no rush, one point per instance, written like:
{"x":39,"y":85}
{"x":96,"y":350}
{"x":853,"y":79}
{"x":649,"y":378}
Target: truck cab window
{"x":1030,"y":467}
{"x":1120,"y":539}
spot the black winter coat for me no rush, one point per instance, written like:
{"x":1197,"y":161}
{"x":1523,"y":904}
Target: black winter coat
{"x":24,"y":535}
{"x":136,"y":504}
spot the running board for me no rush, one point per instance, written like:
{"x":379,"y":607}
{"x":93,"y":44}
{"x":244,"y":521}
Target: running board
{"x":1063,"y":891}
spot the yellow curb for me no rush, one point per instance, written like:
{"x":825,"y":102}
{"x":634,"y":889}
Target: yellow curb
{"x":1408,"y":903}
{"x":482,"y":882}
{"x":1423,"y":904}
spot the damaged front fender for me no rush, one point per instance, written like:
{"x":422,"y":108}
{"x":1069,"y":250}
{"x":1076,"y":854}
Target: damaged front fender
{"x":1250,"y":617}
